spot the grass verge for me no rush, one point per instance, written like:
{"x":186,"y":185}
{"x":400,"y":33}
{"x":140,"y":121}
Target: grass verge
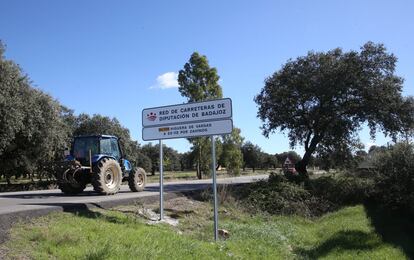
{"x":122,"y":233}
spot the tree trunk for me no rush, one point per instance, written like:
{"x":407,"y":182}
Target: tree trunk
{"x":198,"y":170}
{"x":301,"y":169}
{"x":199,"y":173}
{"x":309,"y":150}
{"x":302,"y":164}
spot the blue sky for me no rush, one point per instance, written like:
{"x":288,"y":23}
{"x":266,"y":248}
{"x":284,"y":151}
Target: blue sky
{"x":117,"y":57}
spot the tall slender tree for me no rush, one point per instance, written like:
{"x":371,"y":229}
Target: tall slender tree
{"x":199,"y":82}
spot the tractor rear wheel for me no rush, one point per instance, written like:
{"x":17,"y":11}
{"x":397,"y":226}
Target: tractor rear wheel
{"x":72,"y":188}
{"x":137,"y":179}
{"x":107,"y":178}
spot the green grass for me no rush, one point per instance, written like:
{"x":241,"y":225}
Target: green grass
{"x":121,"y":234}
{"x":172,"y":176}
{"x":102,"y":236}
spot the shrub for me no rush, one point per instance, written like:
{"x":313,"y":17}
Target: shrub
{"x":278,"y":196}
{"x":342,"y":190}
{"x":274,"y":177}
{"x":394,"y":189}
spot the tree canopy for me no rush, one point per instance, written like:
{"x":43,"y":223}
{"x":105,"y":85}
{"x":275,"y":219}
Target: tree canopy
{"x":198,"y":81}
{"x":293,"y":157}
{"x":251,"y":155}
{"x":232,"y":157}
{"x":32,"y":131}
{"x":323,"y":99}
{"x":171,"y":157}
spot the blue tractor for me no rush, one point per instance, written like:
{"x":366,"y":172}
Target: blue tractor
{"x":99,"y":160}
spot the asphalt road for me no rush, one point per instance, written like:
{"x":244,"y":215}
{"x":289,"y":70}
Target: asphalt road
{"x":49,"y":200}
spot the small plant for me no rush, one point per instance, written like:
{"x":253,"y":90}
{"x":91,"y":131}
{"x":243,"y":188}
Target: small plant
{"x":224,"y":194}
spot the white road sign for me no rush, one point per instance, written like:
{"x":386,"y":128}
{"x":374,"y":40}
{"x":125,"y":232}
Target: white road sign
{"x":207,"y":118}
{"x":188,"y":130}
{"x":185,"y":113}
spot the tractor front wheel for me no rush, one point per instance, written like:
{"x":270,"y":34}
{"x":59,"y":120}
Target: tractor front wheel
{"x":137,"y":179}
{"x":107,"y":177}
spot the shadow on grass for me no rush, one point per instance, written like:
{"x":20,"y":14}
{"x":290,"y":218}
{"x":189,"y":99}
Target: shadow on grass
{"x":342,"y":241}
{"x":85,"y":210}
{"x":395,"y":228}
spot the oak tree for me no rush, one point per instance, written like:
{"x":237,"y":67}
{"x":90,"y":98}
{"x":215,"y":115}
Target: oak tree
{"x":32,"y":131}
{"x":251,"y":156}
{"x":325,"y":98}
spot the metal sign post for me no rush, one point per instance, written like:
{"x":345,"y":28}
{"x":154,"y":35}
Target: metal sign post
{"x":161,"y":183}
{"x":213,"y":166}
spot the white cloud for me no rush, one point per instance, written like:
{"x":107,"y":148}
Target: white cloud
{"x":166,"y":80}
